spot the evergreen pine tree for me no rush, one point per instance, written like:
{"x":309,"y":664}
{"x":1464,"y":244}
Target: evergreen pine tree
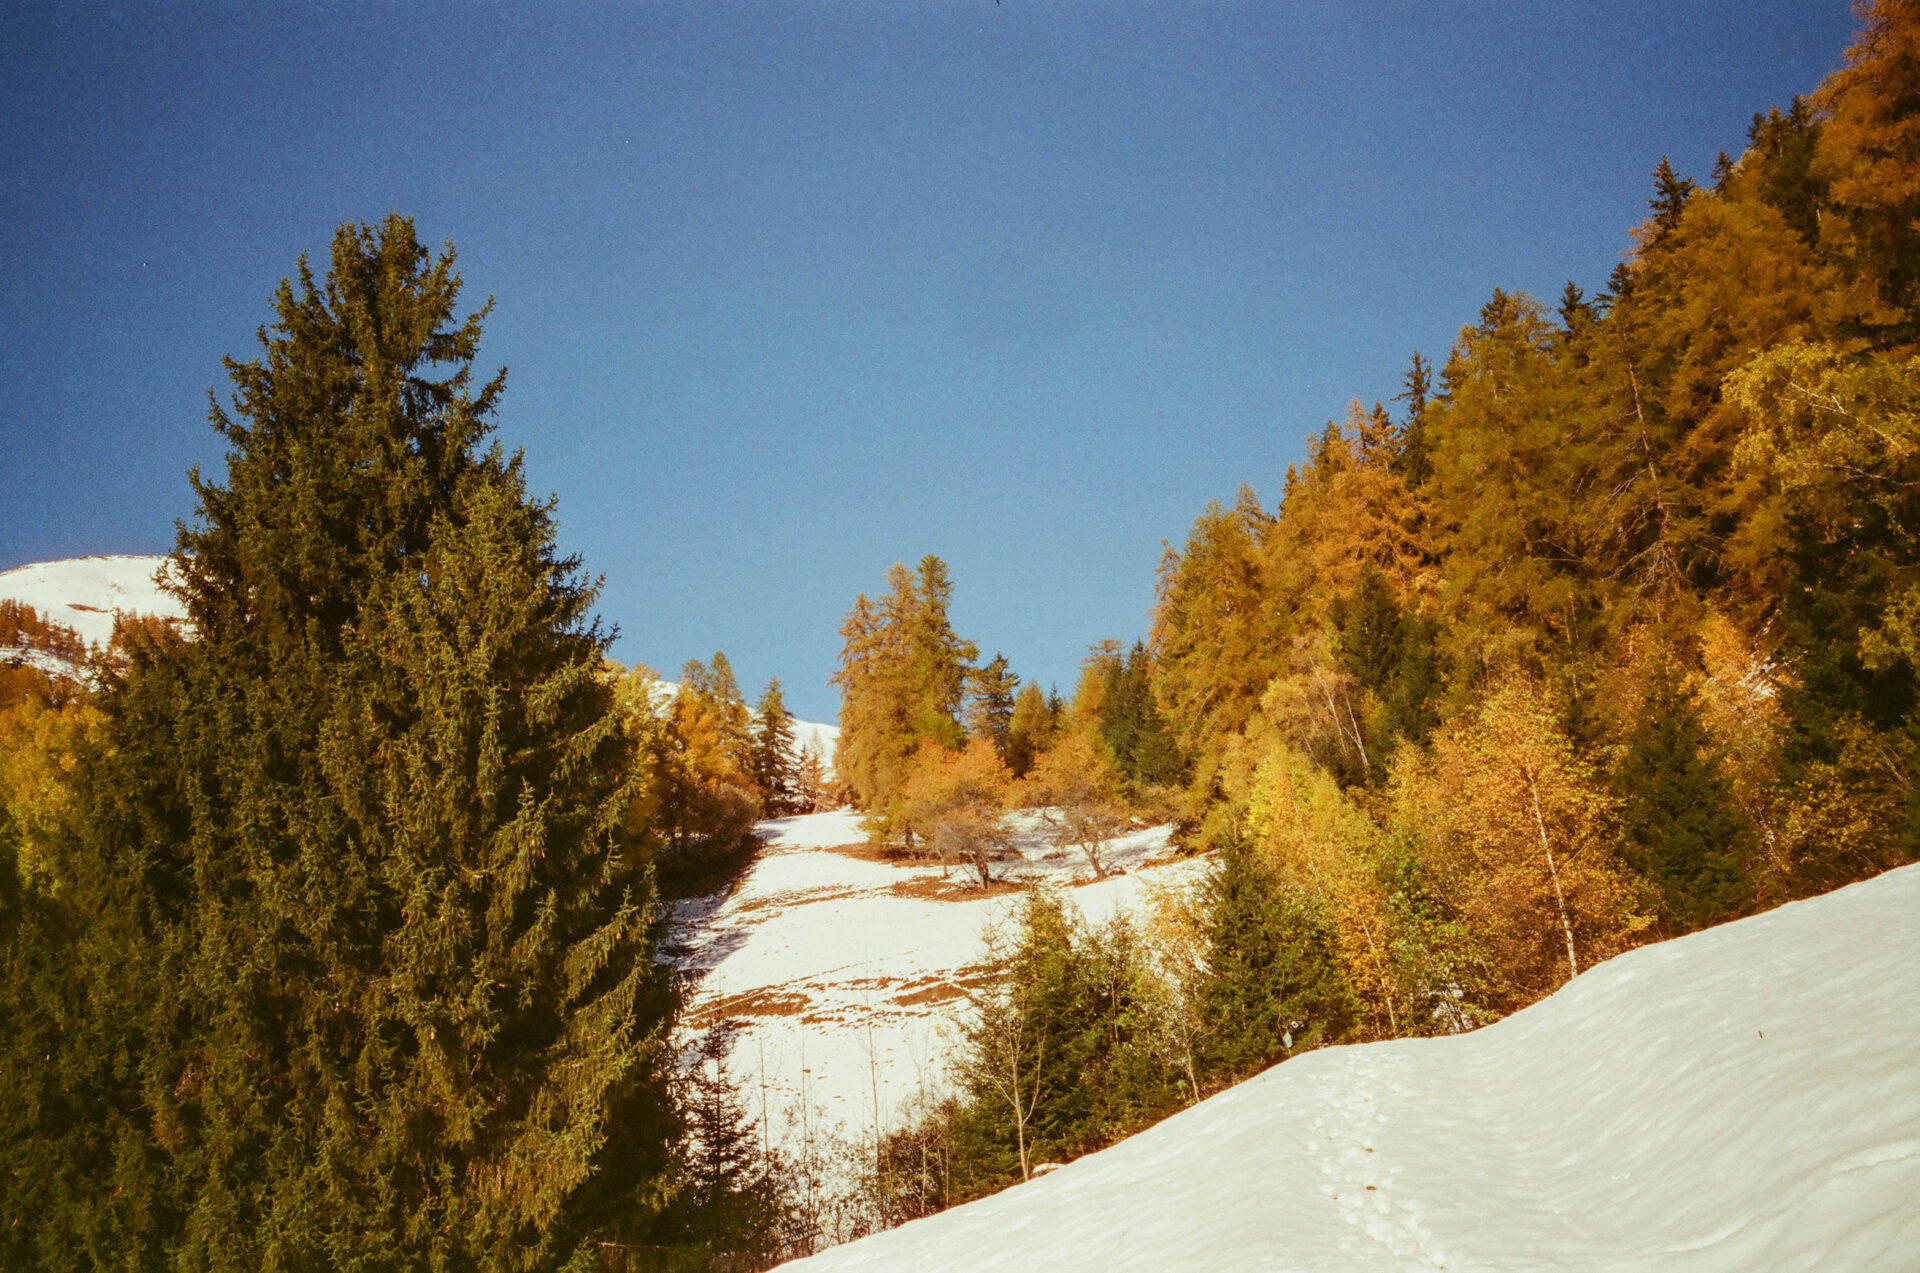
{"x":1620,"y":281}
{"x":990,"y":696}
{"x":1030,"y":728}
{"x":1273,"y":983}
{"x":730,"y":1204}
{"x":1412,"y":461}
{"x":356,"y":921}
{"x":1670,"y":194}
{"x":1575,"y":313}
{"x":1676,"y":813}
{"x":773,"y":759}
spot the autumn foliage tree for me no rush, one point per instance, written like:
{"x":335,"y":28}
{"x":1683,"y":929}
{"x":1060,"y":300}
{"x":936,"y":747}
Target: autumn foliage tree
{"x":956,"y":800}
{"x":1525,"y":839}
{"x":903,"y":676}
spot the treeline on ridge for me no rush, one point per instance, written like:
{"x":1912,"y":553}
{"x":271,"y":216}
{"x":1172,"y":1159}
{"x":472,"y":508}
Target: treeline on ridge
{"x":1607,"y":632}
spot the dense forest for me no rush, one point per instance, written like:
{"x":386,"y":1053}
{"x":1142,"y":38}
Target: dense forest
{"x":1606,"y":631}
{"x":328,"y":922}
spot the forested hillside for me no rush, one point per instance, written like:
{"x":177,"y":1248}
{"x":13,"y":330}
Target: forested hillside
{"x":332,"y":913}
{"x":1609,"y":631}
{"x":1604,"y":632}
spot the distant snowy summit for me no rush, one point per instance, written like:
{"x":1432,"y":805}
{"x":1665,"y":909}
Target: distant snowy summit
{"x":85,"y":593}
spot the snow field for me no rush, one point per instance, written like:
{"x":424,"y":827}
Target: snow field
{"x":1744,"y":1098}
{"x":84,"y":593}
{"x":844,"y":973}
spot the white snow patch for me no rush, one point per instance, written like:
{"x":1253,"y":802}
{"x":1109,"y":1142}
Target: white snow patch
{"x":1743,"y":1098}
{"x":844,"y":983}
{"x":86,"y":592}
{"x":821,"y":738}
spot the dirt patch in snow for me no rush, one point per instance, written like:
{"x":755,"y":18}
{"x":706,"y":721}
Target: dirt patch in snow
{"x":864,"y":852}
{"x":765,"y":1001}
{"x":955,"y":985}
{"x":798,"y":897}
{"x":958,"y":888}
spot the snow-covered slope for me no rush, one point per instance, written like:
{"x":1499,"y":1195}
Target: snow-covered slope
{"x":842,"y":971}
{"x":820,"y":738}
{"x":84,"y":593}
{"x":1745,"y":1098}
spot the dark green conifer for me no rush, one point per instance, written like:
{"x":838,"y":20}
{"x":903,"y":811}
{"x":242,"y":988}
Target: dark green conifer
{"x":1273,"y":983}
{"x":1781,"y":147}
{"x":729,"y":1208}
{"x":1131,"y":726}
{"x":1680,"y":830}
{"x":774,"y":766}
{"x":1620,"y":281}
{"x":1390,"y":653}
{"x":1030,"y":728}
{"x":991,"y":689}
{"x":381,"y":973}
{"x":1412,"y":460}
{"x":1575,"y":312}
{"x":1670,"y":194}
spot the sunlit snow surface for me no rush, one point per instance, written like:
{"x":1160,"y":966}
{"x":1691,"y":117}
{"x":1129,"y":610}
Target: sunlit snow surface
{"x":84,"y":593}
{"x":843,"y":973}
{"x":1745,"y":1098}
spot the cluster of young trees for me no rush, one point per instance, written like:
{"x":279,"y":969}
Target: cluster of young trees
{"x":1089,"y":1034}
{"x":937,"y":750}
{"x":1610,"y":632}
{"x":326,"y":936}
{"x":709,"y":767}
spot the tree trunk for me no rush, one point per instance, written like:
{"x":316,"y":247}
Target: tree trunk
{"x":1559,"y":898}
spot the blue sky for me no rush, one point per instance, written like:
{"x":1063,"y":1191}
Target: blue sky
{"x":789,"y":292}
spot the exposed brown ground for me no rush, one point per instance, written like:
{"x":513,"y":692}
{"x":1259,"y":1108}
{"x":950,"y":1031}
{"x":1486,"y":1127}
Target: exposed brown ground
{"x":865,"y":852}
{"x":888,"y":993}
{"x":954,"y":985}
{"x":766,"y":1001}
{"x":798,"y":898}
{"x":962,"y":886}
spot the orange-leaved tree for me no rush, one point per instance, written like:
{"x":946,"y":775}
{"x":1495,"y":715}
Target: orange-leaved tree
{"x":1523,"y":829}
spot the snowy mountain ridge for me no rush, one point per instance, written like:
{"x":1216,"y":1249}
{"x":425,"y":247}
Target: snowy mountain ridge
{"x":1743,"y":1098}
{"x":84,"y":593}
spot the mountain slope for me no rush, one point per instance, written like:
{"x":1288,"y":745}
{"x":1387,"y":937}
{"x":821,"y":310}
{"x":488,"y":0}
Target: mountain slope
{"x":85,"y":592}
{"x":1743,"y":1098}
{"x":839,"y":973}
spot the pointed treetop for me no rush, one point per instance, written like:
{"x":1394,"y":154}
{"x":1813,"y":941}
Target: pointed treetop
{"x":1670,"y":194}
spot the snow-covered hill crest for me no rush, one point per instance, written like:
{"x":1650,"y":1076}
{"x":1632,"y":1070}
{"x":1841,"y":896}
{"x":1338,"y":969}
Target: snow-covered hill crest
{"x":1743,"y":1098}
{"x":86,"y":592}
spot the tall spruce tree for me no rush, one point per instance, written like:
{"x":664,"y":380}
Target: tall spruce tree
{"x":775,"y":769}
{"x":1670,"y":194}
{"x":991,"y":689}
{"x":380,"y":978}
{"x":1676,"y":810}
{"x":1273,"y":985}
{"x":1030,"y":727}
